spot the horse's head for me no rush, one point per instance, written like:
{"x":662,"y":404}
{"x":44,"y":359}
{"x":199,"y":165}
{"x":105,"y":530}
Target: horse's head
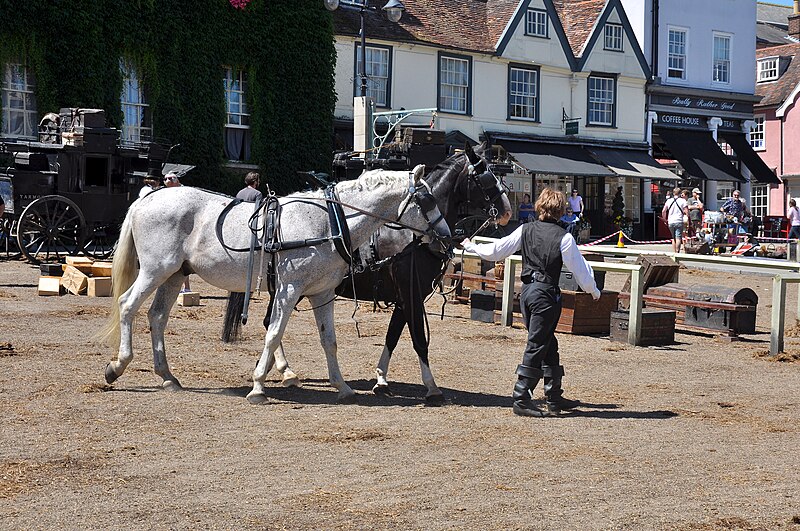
{"x":420,"y":210}
{"x":463,"y":183}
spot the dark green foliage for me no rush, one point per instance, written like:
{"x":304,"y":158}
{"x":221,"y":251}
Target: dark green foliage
{"x":286,"y":47}
{"x":618,"y":206}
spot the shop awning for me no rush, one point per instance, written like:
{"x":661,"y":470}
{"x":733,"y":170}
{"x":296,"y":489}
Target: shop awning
{"x":699,"y":154}
{"x":743,"y":149}
{"x":632,"y":163}
{"x":552,"y":158}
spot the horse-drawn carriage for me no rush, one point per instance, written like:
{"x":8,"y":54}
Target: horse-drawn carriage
{"x":67,"y":192}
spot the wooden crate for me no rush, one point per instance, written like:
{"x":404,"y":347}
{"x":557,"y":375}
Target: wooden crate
{"x":51,"y":270}
{"x":101,"y":269}
{"x":658,"y":327}
{"x":81,"y":263}
{"x":580,"y":314}
{"x":74,"y":281}
{"x":189,"y":298}
{"x":98,"y":287}
{"x":49,"y":286}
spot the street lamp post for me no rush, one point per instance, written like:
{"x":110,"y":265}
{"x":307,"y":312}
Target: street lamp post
{"x":394,"y":11}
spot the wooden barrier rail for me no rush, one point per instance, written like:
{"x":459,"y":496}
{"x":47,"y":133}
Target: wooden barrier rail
{"x":779,"y":283}
{"x":634,"y":270}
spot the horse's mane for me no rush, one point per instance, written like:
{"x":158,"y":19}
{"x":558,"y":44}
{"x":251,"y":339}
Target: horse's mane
{"x":373,"y":179}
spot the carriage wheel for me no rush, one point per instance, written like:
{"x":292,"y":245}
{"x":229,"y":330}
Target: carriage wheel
{"x":9,"y":249}
{"x":101,"y":241}
{"x":466,"y":228}
{"x":50,"y":228}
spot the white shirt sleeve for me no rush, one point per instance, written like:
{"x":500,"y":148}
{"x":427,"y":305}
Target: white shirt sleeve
{"x":498,"y":250}
{"x":578,"y":266}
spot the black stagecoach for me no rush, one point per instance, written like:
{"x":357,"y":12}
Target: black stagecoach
{"x":67,"y":192}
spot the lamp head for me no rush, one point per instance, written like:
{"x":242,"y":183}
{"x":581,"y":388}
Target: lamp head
{"x":331,"y":5}
{"x":394,"y":10}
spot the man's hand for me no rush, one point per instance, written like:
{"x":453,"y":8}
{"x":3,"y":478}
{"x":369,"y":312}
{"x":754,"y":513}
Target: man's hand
{"x":596,"y":295}
{"x":463,"y":243}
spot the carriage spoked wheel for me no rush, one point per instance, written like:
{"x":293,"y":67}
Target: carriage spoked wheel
{"x":466,"y":228}
{"x":101,"y":241}
{"x":50,"y":228}
{"x":9,"y":250}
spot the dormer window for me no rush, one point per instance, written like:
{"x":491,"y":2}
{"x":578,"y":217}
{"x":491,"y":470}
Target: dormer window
{"x":613,"y":40}
{"x":536,"y":23}
{"x":768,"y":69}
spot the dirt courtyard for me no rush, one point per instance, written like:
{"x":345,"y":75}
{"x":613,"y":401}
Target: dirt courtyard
{"x":702,"y":434}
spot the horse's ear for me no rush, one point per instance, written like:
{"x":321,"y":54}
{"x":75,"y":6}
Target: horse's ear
{"x":419,"y":173}
{"x":473,"y":158}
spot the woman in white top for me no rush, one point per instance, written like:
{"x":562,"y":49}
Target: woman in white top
{"x":794,"y":220}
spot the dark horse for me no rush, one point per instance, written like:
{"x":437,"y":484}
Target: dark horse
{"x":410,"y":269}
{"x":413,"y":269}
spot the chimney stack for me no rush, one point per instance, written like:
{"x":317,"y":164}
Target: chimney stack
{"x":794,"y":21}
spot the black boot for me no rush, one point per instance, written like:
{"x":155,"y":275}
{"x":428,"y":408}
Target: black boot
{"x":527,"y":379}
{"x":556,"y":403}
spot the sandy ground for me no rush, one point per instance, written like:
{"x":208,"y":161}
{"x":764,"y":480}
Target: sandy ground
{"x":702,"y":434}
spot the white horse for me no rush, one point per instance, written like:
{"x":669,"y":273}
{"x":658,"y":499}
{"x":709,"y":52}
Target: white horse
{"x":172,"y":233}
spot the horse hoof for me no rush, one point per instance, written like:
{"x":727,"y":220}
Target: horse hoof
{"x":111,"y":376}
{"x":382,"y":390}
{"x":257,"y":398}
{"x":291,"y":381}
{"x":434,"y":400}
{"x":172,"y":385}
{"x":346,"y":399}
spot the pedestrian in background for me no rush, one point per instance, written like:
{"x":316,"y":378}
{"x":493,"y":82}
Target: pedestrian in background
{"x":576,"y":202}
{"x":251,"y":192}
{"x":695,"y":212}
{"x":794,"y":220}
{"x":526,"y":211}
{"x":674,"y":210}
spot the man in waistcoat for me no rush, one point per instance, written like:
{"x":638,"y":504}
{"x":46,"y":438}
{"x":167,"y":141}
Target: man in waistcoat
{"x":545,"y":247}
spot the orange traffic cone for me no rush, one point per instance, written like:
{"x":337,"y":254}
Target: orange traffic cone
{"x":619,"y":241}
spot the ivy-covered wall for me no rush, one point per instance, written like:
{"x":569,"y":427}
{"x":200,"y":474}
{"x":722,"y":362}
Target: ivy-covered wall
{"x":73,"y":48}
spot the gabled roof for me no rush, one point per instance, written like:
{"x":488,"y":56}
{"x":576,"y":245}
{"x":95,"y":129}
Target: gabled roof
{"x":773,"y":13}
{"x":578,"y":17}
{"x":772,"y":34}
{"x":776,"y":92}
{"x":469,"y":25}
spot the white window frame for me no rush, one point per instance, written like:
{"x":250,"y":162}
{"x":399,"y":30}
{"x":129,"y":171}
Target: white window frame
{"x":613,"y":37}
{"x":523,"y":94}
{"x":379,"y":74}
{"x":135,"y":109}
{"x":759,"y":199}
{"x":455,"y":84}
{"x":235,"y":103}
{"x":537,"y":23}
{"x":725,"y":191}
{"x":721,"y":62}
{"x":768,"y":69}
{"x":23,"y":94}
{"x":676,"y":53}
{"x":758,"y":137}
{"x":602,"y":101}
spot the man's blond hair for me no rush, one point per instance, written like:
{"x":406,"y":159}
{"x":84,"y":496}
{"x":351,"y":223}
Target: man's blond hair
{"x":550,"y":205}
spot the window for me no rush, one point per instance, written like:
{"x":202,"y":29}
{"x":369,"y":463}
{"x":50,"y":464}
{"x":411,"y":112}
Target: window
{"x":613,"y":40}
{"x":768,"y":69}
{"x":722,"y":59}
{"x":602,"y":100}
{"x":724,"y":191}
{"x":378,"y":70}
{"x":454,"y":84}
{"x":18,"y":102}
{"x":536,"y":23}
{"x":759,"y":199}
{"x":523,"y":84}
{"x":237,"y":125}
{"x":676,"y":59}
{"x":135,"y":110}
{"x":757,"y":138}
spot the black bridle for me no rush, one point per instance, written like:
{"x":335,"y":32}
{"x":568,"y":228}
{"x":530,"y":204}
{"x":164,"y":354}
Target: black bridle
{"x":488,"y":183}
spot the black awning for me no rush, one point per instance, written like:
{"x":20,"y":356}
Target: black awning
{"x":743,"y":149}
{"x":632,"y":163}
{"x":699,"y":154}
{"x":552,"y":158}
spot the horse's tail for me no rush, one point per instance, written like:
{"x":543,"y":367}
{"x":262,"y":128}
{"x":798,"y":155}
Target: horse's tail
{"x":233,"y":313}
{"x":123,"y":274}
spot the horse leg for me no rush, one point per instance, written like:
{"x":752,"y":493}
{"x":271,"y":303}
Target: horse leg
{"x":158,"y":315}
{"x":288,"y":377}
{"x":393,"y":333}
{"x":434,"y":396}
{"x":278,"y":318}
{"x":323,"y":312}
{"x":129,"y":304}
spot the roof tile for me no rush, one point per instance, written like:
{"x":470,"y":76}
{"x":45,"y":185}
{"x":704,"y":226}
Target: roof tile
{"x":578,"y":18}
{"x":776,"y":92}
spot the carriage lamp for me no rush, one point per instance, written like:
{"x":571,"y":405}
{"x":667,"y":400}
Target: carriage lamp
{"x":394,"y":11}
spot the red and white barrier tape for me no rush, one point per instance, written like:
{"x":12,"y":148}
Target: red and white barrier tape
{"x":625,"y":237}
